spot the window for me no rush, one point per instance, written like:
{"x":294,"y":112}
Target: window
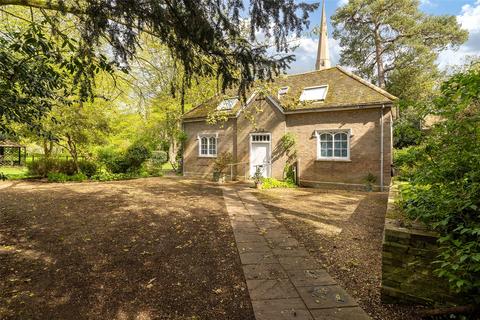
{"x":258,"y":137}
{"x":227,"y":104}
{"x":314,"y":93}
{"x":333,"y":145}
{"x":282,"y":91}
{"x":207,"y":145}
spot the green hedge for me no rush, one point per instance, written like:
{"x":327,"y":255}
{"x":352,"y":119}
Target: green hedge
{"x":43,"y":167}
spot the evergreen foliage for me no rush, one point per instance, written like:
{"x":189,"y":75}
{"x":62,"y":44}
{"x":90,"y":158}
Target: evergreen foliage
{"x":444,"y":188}
{"x":205,"y":37}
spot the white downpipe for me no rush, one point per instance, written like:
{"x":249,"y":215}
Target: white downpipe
{"x":381,"y":148}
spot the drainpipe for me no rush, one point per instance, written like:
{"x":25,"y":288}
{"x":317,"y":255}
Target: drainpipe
{"x":381,"y":148}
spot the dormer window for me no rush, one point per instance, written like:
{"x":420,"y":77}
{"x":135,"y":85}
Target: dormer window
{"x":282,"y":91}
{"x":314,"y":93}
{"x":227,"y":104}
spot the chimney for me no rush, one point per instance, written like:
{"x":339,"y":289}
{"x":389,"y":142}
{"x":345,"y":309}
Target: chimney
{"x":323,"y":57}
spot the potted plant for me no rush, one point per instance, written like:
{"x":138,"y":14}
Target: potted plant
{"x":370,"y":180}
{"x":258,"y":177}
{"x":221,"y":164}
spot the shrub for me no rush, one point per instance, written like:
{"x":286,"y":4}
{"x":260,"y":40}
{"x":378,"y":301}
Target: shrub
{"x":153,"y":169}
{"x":444,"y":191}
{"x":88,"y":168}
{"x":154,"y":165}
{"x":405,"y":161}
{"x":61,"y":177}
{"x":122,"y":162}
{"x":159,"y":157}
{"x":407,"y":130}
{"x":270,"y":183}
{"x":289,"y":172}
{"x":135,"y":156}
{"x":109,"y":176}
{"x":112,"y":159}
{"x":57,"y":177}
{"x":43,"y":167}
{"x":222,"y":162}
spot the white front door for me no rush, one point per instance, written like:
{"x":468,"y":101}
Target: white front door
{"x":260,"y":154}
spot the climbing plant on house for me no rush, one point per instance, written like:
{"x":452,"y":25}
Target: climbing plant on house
{"x":288,"y":143}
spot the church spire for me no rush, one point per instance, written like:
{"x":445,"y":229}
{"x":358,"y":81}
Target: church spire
{"x":323,"y":57}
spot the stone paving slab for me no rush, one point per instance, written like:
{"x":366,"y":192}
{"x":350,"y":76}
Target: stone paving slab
{"x":271,"y":289}
{"x":270,"y":271}
{"x":245,"y":247}
{"x":279,"y":243}
{"x":298,"y":263}
{"x":322,"y":297}
{"x":353,"y":313}
{"x":269,"y":223}
{"x":308,"y":278}
{"x":290,"y":252}
{"x":257,"y":257}
{"x":281,"y":309}
{"x":248,"y":237}
{"x":284,"y":282}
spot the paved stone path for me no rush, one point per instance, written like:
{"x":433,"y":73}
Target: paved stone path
{"x":283,"y":280}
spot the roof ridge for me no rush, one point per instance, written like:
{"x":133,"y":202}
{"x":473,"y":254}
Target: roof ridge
{"x":306,"y":72}
{"x":368,"y":84}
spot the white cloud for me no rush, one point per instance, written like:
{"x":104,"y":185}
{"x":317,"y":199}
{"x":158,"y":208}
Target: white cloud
{"x":342,"y":2}
{"x":306,"y":54}
{"x":427,"y":3}
{"x":469,"y":19}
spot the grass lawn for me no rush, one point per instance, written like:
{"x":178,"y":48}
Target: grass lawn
{"x":150,"y":248}
{"x":14,"y":172}
{"x":344,"y":230}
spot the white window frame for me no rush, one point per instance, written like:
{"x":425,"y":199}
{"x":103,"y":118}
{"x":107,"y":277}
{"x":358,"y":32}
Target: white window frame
{"x":282,"y":91}
{"x":315,"y":87}
{"x":267,"y":135}
{"x":208,"y":136}
{"x":332,"y":132}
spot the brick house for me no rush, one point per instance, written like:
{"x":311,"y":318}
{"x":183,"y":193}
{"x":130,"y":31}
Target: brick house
{"x":342,"y":125}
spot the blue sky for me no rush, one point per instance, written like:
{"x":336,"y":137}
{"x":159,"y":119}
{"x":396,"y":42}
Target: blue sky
{"x":466,"y":11}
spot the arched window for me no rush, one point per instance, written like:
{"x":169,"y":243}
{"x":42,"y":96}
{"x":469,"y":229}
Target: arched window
{"x":204,"y":146}
{"x":212,"y":146}
{"x":333,"y":145}
{"x":207,"y":145}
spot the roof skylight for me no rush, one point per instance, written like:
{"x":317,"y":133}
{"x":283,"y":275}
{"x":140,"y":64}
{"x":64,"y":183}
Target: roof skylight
{"x":227,"y":104}
{"x":314,"y":93}
{"x":282,"y":91}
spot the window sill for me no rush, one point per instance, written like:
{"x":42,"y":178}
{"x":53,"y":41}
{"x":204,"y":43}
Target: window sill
{"x":207,"y":156}
{"x":333,"y":160}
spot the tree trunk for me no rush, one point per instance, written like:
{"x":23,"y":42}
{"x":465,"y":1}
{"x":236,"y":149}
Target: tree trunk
{"x":379,"y":60}
{"x":47,"y":147}
{"x":172,"y":153}
{"x":72,"y":149}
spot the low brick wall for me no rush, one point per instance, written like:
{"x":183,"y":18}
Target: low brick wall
{"x":407,"y":270}
{"x":406,"y":267}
